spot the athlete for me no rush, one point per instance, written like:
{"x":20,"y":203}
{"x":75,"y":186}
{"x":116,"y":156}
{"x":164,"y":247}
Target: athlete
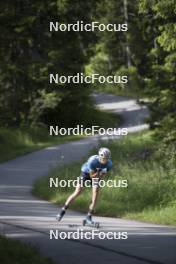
{"x":93,"y":170}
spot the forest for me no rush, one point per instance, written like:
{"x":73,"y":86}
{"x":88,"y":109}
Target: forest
{"x":30,"y":52}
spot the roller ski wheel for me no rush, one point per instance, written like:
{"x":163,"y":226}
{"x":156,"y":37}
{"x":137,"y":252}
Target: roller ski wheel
{"x":91,"y":223}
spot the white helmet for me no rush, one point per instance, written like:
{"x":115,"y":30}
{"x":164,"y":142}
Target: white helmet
{"x":104,"y":153}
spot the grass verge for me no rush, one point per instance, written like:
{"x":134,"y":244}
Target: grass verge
{"x":13,"y":251}
{"x":19,"y":141}
{"x":151,"y":192}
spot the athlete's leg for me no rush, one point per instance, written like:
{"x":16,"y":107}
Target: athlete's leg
{"x":69,"y":200}
{"x":72,"y":197}
{"x":95,"y":191}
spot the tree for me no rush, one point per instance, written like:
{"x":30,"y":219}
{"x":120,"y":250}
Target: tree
{"x":29,"y":52}
{"x":162,"y":80}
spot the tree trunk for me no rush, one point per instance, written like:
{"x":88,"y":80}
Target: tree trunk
{"x":128,"y":52}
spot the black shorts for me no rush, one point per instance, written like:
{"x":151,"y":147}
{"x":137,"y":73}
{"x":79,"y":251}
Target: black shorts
{"x":86,"y":181}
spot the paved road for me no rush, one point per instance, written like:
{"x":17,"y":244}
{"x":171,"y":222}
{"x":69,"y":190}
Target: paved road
{"x":30,"y":219}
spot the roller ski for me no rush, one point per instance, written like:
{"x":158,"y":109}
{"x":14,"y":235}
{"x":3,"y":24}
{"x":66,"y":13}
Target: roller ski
{"x":89,"y":222}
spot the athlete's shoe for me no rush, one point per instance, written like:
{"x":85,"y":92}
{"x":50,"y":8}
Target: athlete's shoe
{"x":60,"y":215}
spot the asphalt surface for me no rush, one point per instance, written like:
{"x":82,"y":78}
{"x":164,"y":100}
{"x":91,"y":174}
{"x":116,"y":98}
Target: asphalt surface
{"x":25,"y":217}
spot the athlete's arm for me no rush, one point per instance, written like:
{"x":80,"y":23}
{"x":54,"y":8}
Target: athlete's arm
{"x":103,"y":174}
{"x":93,"y":173}
{"x":97,"y":174}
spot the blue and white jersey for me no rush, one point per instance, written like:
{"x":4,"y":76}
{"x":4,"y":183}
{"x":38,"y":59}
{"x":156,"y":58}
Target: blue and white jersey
{"x":93,"y":164}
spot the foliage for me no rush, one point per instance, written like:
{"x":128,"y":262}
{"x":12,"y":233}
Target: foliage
{"x":29,"y":53}
{"x":161,"y":82}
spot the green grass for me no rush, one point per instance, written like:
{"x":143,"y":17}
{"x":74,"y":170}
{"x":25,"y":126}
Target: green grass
{"x":19,"y":141}
{"x":165,"y":216}
{"x":151,"y":192}
{"x":12,"y":251}
{"x":15,"y":141}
